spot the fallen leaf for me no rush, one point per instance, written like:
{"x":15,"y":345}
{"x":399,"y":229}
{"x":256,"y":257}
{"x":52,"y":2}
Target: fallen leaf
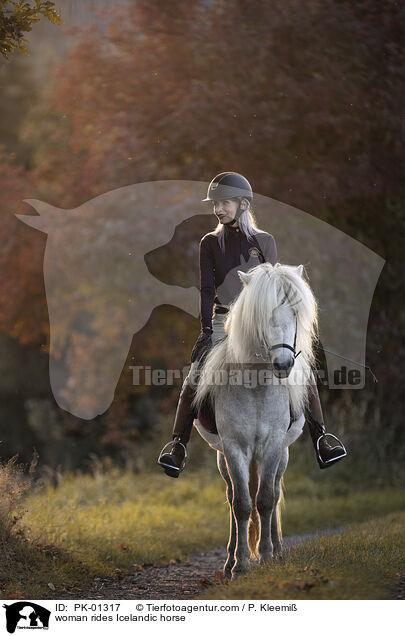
{"x":305,"y":585}
{"x":219,"y":576}
{"x":203,"y":583}
{"x":287,"y":584}
{"x":52,"y":587}
{"x":15,"y":594}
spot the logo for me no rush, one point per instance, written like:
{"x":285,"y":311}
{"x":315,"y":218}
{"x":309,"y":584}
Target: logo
{"x":26,"y":615}
{"x":254,"y":252}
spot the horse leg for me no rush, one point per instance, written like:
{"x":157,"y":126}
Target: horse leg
{"x":275,"y":517}
{"x":265,"y":502}
{"x":223,"y":469}
{"x":238,"y":469}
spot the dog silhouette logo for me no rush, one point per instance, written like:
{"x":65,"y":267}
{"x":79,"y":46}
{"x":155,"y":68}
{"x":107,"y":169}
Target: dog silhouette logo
{"x":26,"y":615}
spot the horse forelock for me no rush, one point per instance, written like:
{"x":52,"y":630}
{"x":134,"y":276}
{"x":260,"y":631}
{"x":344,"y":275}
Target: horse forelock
{"x":269,"y":287}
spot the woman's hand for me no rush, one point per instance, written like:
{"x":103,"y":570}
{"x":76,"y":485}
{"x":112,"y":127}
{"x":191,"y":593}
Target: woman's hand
{"x":204,"y":341}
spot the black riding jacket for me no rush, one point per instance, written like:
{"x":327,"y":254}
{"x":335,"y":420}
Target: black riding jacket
{"x":219,"y":280}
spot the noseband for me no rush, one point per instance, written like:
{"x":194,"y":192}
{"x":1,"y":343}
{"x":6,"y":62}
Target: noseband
{"x":287,"y":346}
{"x":282,"y":345}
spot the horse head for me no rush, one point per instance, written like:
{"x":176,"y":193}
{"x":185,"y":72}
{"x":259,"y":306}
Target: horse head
{"x":282,"y":314}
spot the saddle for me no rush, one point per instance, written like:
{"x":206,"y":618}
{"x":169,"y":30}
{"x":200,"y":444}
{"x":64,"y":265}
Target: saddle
{"x":206,"y":416}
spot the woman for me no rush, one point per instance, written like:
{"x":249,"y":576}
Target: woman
{"x":236,"y":243}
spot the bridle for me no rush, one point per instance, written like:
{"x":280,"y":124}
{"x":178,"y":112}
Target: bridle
{"x":287,"y":346}
{"x":283,"y":345}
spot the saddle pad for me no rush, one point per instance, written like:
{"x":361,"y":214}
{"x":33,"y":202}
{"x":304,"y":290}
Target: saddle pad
{"x":206,"y":415}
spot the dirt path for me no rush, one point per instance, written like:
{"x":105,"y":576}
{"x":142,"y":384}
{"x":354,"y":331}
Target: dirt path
{"x":174,"y":581}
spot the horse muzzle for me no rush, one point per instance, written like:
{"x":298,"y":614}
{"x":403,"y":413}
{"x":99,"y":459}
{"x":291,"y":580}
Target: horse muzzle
{"x":282,"y":368}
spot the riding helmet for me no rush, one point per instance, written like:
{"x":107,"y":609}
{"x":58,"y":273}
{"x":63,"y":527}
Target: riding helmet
{"x":229,"y":185}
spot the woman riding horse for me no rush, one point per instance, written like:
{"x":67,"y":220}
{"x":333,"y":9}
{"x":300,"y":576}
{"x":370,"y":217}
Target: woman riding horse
{"x":235,"y":244}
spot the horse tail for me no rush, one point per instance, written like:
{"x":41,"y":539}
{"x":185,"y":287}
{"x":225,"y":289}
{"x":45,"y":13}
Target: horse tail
{"x":280,"y":507}
{"x":254,"y":520}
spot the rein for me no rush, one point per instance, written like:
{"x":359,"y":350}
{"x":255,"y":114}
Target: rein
{"x":365,"y":366}
{"x":224,"y":310}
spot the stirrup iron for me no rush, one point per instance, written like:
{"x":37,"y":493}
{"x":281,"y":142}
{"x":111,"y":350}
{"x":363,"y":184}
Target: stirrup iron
{"x":332,"y":459}
{"x":170,"y":466}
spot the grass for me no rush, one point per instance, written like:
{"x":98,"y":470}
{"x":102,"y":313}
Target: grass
{"x":92,"y":524}
{"x":364,"y":562}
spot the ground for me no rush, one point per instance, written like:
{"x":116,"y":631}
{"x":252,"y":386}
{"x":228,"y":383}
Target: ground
{"x":183,"y":580}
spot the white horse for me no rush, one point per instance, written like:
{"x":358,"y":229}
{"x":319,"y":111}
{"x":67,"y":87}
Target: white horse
{"x":256,"y":376}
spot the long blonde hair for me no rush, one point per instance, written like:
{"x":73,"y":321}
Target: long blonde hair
{"x":247,"y":225}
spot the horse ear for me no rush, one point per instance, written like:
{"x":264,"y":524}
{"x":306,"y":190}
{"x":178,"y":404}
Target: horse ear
{"x":244,"y":277}
{"x":300,"y":270}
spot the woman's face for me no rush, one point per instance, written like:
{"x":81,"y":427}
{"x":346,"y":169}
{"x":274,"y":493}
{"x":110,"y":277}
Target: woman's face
{"x":225,"y":210}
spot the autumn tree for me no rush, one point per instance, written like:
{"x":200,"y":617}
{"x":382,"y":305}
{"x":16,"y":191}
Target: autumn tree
{"x":17,"y":18}
{"x":305,"y":99}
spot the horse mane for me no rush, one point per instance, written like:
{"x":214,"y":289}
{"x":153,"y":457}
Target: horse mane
{"x":265,"y":287}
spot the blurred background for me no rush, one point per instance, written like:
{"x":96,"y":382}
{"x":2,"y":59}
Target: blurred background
{"x":305,"y":99}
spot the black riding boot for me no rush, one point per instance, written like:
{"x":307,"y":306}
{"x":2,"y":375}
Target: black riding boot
{"x":173,"y":456}
{"x":325,"y":453}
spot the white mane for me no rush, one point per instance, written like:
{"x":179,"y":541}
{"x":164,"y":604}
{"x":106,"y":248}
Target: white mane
{"x":265,"y":288}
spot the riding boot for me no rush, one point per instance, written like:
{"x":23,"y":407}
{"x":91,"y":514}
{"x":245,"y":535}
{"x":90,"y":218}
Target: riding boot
{"x":173,"y":461}
{"x":325,"y":453}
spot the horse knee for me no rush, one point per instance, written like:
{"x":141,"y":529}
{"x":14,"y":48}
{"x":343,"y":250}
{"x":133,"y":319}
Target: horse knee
{"x":242,"y":507}
{"x":265,"y":502}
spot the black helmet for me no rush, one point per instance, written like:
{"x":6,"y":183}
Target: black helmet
{"x":229,"y":185}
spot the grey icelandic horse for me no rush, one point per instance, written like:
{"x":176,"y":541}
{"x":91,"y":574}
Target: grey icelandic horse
{"x":270,"y":331}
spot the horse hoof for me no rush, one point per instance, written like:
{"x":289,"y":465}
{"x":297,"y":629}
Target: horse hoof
{"x":240,"y":569}
{"x":265,"y":559}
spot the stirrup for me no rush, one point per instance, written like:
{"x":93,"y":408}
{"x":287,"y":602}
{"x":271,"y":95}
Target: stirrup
{"x":170,"y":466}
{"x":324,"y":463}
